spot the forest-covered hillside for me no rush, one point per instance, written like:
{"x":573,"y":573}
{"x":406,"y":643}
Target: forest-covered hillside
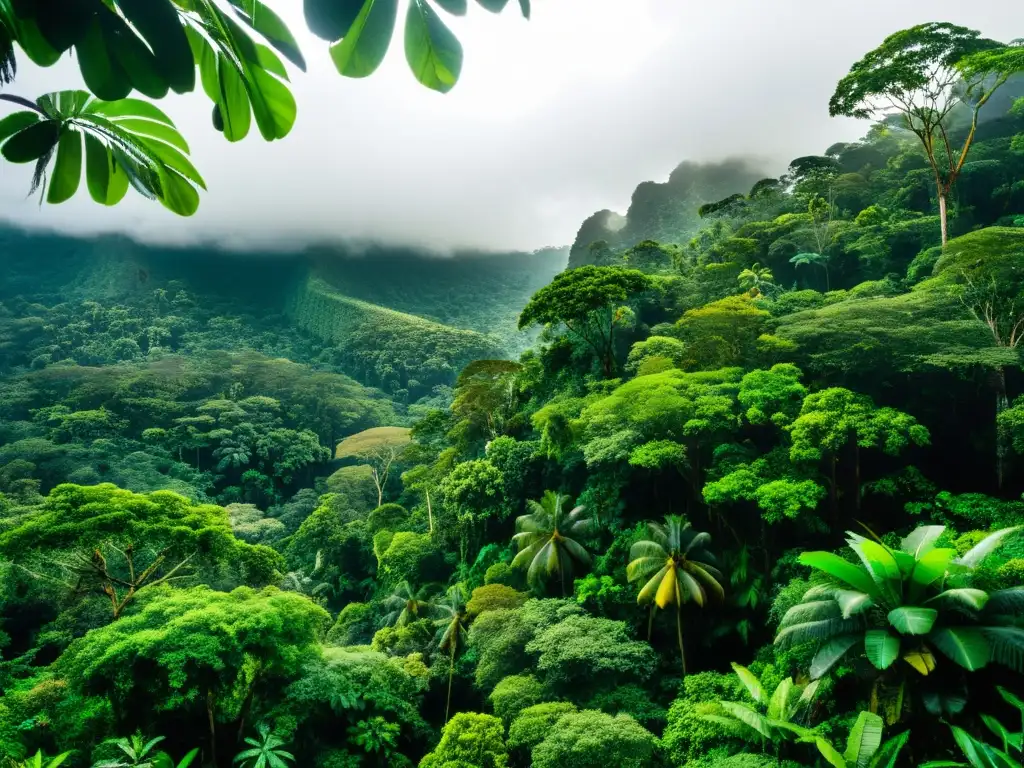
{"x":752,"y":497}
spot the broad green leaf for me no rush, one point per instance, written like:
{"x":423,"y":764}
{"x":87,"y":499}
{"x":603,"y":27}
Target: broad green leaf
{"x":964,"y":645}
{"x":881,"y":648}
{"x":129,"y":108}
{"x":750,"y":682}
{"x":842,"y":570}
{"x":175,"y":160}
{"x":777,"y":705}
{"x":524,"y":6}
{"x":973,"y":599}
{"x":331,"y":19}
{"x":274,"y":30}
{"x":178,"y":195}
{"x":155,"y":130}
{"x":18,"y":121}
{"x":1011,"y":699}
{"x":1006,"y":738}
{"x":851,"y":602}
{"x":159,"y":24}
{"x":364,"y":46}
{"x":865,"y":739}
{"x":1006,"y":646}
{"x":134,"y":57}
{"x":830,"y":653}
{"x":33,"y":142}
{"x":107,"y":181}
{"x":985,"y":547}
{"x":921,"y":540}
{"x":433,"y":52}
{"x":233,"y":100}
{"x":829,"y":753}
{"x":748,"y":717}
{"x":879,"y":561}
{"x":273,"y":105}
{"x":104,"y":76}
{"x":979,"y":753}
{"x":67,"y":170}
{"x":913,"y":620}
{"x":889,"y":753}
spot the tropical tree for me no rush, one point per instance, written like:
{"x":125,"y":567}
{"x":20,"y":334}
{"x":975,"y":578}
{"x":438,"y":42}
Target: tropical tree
{"x":588,"y":301}
{"x":806,"y":259}
{"x":453,"y":624}
{"x":547,"y":538}
{"x":265,"y":752}
{"x":140,"y":753}
{"x":756,"y":279}
{"x":925,"y":75}
{"x":771,"y":717}
{"x":906,"y":603}
{"x":676,"y":568}
{"x":406,"y":605}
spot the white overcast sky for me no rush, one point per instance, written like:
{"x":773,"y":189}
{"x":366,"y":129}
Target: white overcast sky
{"x":553,"y":119}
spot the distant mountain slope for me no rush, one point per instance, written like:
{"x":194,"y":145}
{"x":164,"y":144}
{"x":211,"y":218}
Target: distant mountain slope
{"x":666,"y":212}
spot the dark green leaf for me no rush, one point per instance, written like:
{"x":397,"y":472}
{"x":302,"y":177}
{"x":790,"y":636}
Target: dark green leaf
{"x":831,"y":652}
{"x":331,"y":19}
{"x":363,"y":48}
{"x":104,"y":76}
{"x":15,"y":122}
{"x":433,"y":52}
{"x":964,"y":645}
{"x":107,"y":181}
{"x":494,"y":6}
{"x":158,"y":23}
{"x":178,"y":195}
{"x":32,"y":143}
{"x":134,"y":57}
{"x":524,"y":6}
{"x":63,"y":22}
{"x":269,"y":24}
{"x":67,"y":170}
{"x":233,"y":101}
{"x":881,"y":648}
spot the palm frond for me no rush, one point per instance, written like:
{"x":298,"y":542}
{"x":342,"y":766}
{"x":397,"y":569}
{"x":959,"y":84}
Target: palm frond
{"x":1006,"y":646}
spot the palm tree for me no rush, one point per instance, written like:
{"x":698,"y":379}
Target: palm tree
{"x":677,"y":569}
{"x":545,"y":538}
{"x":266,"y":752}
{"x":756,"y":279}
{"x":814,"y":259}
{"x":453,"y":608}
{"x":405,"y":605}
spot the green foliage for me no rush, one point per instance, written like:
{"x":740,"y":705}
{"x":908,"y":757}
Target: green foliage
{"x":590,"y":739}
{"x":514,"y":694}
{"x":494,"y":597}
{"x":533,"y":724}
{"x":470,"y":739}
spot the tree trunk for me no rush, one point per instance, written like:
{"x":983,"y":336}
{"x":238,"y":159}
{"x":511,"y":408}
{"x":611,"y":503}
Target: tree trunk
{"x":679,"y":634}
{"x":942,"y":217}
{"x":213,"y":732}
{"x":430,"y":512}
{"x":856,"y":474}
{"x":451,"y":672}
{"x":1002,"y":438}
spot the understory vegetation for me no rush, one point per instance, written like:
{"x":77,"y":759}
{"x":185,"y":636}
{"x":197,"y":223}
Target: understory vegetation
{"x":751,"y":499}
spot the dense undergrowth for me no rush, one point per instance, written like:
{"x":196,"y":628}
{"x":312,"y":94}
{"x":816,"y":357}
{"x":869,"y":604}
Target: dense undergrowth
{"x":792,"y":436}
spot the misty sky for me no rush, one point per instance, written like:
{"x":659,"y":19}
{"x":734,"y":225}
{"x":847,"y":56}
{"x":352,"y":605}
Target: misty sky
{"x":553,"y":119}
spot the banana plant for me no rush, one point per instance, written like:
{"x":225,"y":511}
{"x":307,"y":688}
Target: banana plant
{"x":906,"y":603}
{"x":126,"y":143}
{"x":771,"y":718}
{"x":864,"y":746}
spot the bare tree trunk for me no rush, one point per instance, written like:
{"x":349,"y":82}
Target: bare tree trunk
{"x":430,"y":512}
{"x":1002,"y":438}
{"x":942,"y":217}
{"x":679,"y":634}
{"x":213,"y":731}
{"x":451,"y":672}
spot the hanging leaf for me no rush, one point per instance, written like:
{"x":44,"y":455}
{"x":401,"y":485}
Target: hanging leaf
{"x":107,"y":181}
{"x":160,"y":26}
{"x":830,"y":653}
{"x":67,"y":170}
{"x":331,"y":19}
{"x":365,"y":44}
{"x":494,"y":6}
{"x":433,"y":52}
{"x":103,"y":75}
{"x":269,"y":25}
{"x":964,"y":645}
{"x":16,"y":122}
{"x":33,"y":142}
{"x":524,"y":6}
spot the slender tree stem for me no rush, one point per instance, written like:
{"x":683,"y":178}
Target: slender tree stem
{"x":451,"y":672}
{"x":679,"y":634}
